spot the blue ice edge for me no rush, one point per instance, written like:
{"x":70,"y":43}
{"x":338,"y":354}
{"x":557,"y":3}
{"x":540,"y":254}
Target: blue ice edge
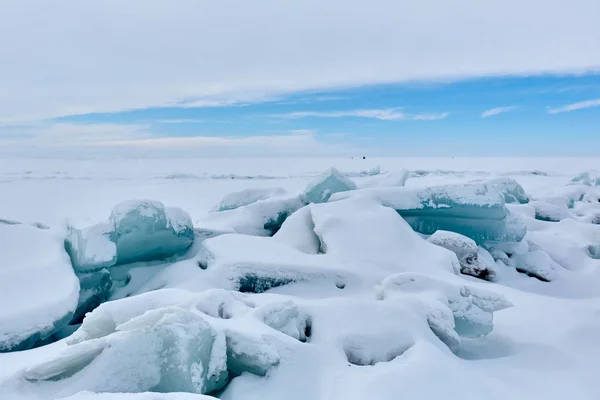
{"x":477,"y":210}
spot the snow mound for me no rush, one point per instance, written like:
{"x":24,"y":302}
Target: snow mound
{"x":550,"y":212}
{"x":38,"y":288}
{"x":456,"y":310}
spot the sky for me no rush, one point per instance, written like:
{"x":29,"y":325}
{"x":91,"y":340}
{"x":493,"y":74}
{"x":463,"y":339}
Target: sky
{"x":305,"y":78}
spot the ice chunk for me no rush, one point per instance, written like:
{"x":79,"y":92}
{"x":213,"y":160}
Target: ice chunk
{"x":298,"y":231}
{"x":92,"y":248}
{"x":94,"y":290}
{"x":261,"y":218}
{"x":38,"y":288}
{"x":550,"y":212}
{"x":393,"y":178}
{"x":242,"y":198}
{"x":329,"y":182}
{"x":512,"y":191}
{"x":146,"y":230}
{"x":164,"y":350}
{"x":104,"y":320}
{"x":473,"y":210}
{"x":466,"y":251}
{"x":589,"y":178}
{"x":471,"y":307}
{"x":526,"y":210}
{"x":469,"y":200}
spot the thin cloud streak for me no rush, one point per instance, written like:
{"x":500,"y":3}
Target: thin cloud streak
{"x":386,"y":114}
{"x":575,"y":106}
{"x":498,"y":110}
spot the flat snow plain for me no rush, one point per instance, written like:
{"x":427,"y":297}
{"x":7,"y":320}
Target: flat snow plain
{"x":367,"y":341}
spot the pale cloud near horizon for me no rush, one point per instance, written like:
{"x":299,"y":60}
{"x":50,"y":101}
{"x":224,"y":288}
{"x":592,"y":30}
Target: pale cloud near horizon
{"x":575,"y":106}
{"x":107,"y":139}
{"x":60,"y":59}
{"x":498,"y":110}
{"x":385,"y":114}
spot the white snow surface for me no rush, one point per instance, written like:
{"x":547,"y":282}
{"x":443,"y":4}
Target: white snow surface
{"x":344,"y":302}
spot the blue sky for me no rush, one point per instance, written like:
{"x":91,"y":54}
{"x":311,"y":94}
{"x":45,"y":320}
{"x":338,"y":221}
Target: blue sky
{"x":313,"y":77}
{"x":491,"y":116}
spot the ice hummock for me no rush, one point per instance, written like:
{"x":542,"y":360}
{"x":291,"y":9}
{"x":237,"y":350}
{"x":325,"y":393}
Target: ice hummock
{"x":94,"y":290}
{"x":169,"y":341}
{"x":137,"y":230}
{"x":38,"y":288}
{"x":512,"y":191}
{"x":396,"y":178}
{"x":147,"y":230}
{"x":163,"y":350}
{"x":261,"y":218}
{"x":474,"y":210}
{"x":262,"y":212}
{"x":588,"y":178}
{"x":320,"y":189}
{"x":242,"y":198}
{"x":92,"y":248}
{"x":466,"y":251}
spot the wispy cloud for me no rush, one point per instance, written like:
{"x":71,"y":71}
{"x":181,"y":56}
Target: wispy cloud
{"x":430,"y":117}
{"x":498,"y":110}
{"x":385,"y":114}
{"x":180,"y":121}
{"x":575,"y":106}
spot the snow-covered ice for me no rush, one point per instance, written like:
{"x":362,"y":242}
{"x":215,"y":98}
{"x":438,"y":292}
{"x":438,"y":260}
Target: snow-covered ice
{"x":270,"y":279}
{"x":38,"y":288}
